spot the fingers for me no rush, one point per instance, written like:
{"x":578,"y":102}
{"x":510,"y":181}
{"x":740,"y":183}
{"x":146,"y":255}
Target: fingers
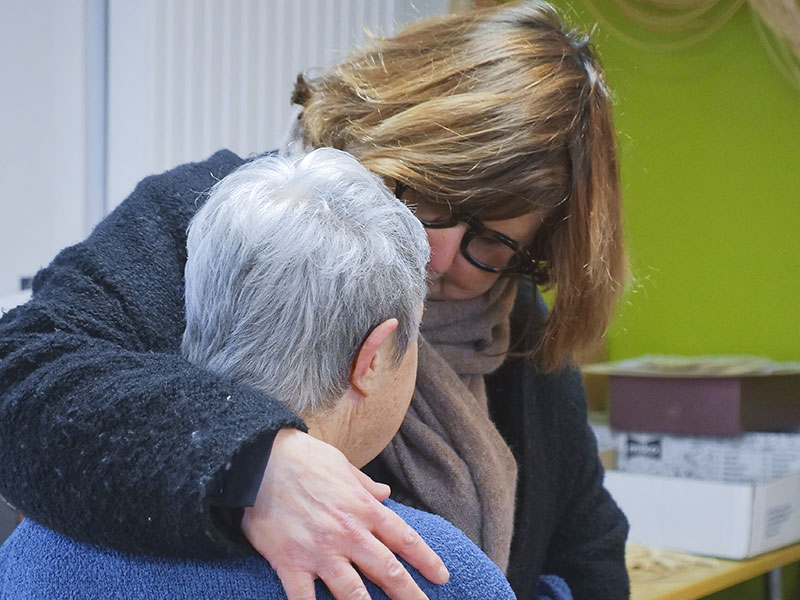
{"x":381,"y":567}
{"x":344,"y":582}
{"x":316,"y":515}
{"x":401,"y":539}
{"x":297,"y":585}
{"x":381,"y":491}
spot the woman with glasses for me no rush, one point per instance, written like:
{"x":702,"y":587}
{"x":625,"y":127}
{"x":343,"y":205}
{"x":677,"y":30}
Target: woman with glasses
{"x":485,"y":248}
{"x":495,"y":127}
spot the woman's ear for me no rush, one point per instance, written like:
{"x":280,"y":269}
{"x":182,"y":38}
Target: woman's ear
{"x":377,"y":347}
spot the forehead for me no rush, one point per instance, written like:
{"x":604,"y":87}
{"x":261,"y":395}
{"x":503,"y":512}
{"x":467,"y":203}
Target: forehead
{"x":501,"y":207}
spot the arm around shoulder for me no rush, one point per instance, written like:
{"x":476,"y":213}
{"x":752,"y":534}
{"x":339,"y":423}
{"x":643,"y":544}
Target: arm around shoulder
{"x":472,"y":574}
{"x":107,"y":433}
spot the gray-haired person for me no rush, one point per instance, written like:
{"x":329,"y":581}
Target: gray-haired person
{"x":305,"y":279}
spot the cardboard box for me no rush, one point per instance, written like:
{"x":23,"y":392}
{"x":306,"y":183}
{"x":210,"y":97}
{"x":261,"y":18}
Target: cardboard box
{"x":750,"y":457}
{"x":702,"y":395}
{"x":709,"y":406}
{"x":726,"y":520}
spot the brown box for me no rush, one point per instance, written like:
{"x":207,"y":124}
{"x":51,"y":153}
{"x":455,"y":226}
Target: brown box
{"x":705,"y":405}
{"x":702,"y":395}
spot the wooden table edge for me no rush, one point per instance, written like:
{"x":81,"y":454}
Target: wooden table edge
{"x":727,"y":574}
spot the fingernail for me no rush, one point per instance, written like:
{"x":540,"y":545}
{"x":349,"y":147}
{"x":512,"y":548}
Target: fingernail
{"x":444,"y":573}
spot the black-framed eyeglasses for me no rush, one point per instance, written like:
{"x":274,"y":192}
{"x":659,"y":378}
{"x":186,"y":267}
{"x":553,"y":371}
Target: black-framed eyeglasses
{"x":487,"y":249}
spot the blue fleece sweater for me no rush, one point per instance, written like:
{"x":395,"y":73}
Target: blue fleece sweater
{"x":37,"y":563}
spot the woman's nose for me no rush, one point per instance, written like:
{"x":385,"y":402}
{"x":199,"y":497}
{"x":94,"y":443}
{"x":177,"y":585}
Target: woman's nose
{"x":445,"y":246}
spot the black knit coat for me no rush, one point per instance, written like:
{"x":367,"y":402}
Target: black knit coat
{"x":107,"y":434}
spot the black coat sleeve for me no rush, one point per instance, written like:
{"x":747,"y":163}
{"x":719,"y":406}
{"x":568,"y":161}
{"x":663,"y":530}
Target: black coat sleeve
{"x":106,"y":433}
{"x":587,"y":547}
{"x":566,"y":523}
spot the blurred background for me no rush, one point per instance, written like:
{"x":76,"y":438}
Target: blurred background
{"x":708,"y":111}
{"x":100,"y":93}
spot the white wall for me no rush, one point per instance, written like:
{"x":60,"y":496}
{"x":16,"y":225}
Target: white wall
{"x":188,"y":77}
{"x":41,"y":134}
{"x":185,"y":78}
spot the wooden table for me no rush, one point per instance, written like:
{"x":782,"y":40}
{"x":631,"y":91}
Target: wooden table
{"x":698,"y":581}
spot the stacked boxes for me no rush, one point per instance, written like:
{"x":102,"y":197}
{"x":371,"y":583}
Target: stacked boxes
{"x":707,"y":452}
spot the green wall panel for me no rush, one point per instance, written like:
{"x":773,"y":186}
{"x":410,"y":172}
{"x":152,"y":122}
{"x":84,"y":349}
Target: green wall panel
{"x":710,"y":141}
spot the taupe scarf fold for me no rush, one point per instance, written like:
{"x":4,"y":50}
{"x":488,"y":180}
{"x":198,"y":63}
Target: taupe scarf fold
{"x":448,"y":453}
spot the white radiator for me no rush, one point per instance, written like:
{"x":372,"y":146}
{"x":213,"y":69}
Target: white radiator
{"x":187,"y":77}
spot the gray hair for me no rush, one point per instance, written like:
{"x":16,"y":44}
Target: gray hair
{"x":291,"y":263}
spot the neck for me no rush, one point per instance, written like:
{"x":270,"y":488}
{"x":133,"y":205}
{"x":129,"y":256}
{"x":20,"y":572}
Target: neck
{"x":333,"y":427}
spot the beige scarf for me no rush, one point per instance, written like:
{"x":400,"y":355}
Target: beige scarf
{"x":448,"y":453}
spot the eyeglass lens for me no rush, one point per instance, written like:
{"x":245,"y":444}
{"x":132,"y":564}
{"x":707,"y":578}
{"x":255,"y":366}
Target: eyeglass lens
{"x":492,"y":252}
{"x":483,"y":247}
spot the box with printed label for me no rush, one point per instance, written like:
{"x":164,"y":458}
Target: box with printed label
{"x":713,"y":518}
{"x":750,"y":457}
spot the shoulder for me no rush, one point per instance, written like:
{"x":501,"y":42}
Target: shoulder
{"x":208,"y":171}
{"x":152,"y":220}
{"x":32,"y":559}
{"x":39,"y":564}
{"x":472,"y":573}
{"x":185,"y":184}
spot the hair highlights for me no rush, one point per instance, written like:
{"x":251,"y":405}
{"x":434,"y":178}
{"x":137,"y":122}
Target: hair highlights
{"x":501,"y":112}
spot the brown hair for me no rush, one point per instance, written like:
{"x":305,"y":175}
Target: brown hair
{"x":501,"y":112}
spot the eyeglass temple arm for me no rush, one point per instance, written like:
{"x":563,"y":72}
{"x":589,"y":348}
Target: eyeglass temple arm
{"x":399,"y":189}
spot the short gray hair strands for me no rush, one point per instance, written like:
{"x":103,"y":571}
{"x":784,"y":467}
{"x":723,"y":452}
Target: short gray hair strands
{"x":291,"y":263}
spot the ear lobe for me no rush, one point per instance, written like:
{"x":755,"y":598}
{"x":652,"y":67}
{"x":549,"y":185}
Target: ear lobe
{"x":366,"y":364}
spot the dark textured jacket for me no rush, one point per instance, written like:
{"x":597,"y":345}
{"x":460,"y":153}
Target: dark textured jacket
{"x":108,"y":435}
